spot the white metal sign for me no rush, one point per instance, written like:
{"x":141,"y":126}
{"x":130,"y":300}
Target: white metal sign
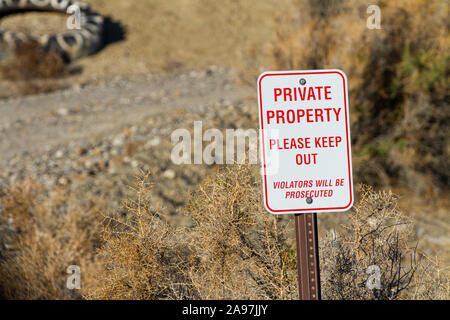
{"x":305,"y":141}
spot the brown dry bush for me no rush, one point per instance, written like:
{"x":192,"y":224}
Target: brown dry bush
{"x":240,"y":251}
{"x":431,"y":280}
{"x":142,"y":256}
{"x":236,"y":250}
{"x":32,"y":61}
{"x":43,"y":234}
{"x":34,"y":69}
{"x":233,"y":250}
{"x":398,"y":81}
{"x":378,"y":235}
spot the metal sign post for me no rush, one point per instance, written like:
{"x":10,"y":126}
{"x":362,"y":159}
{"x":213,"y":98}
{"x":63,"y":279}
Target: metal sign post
{"x":307,"y":256}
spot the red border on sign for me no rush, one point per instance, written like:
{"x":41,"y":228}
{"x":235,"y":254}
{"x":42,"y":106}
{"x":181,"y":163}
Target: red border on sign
{"x":346,"y":132}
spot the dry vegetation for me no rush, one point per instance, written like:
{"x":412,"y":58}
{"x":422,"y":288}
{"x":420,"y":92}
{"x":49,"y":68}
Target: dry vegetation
{"x":399,"y":81}
{"x":33,"y":69}
{"x":45,"y":232}
{"x":241,"y":251}
{"x":400,"y":113}
{"x":233,"y":250}
{"x":141,"y":255}
{"x":377,"y":235}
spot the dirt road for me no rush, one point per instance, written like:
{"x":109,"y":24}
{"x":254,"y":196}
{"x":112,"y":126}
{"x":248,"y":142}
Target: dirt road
{"x":35,"y":124}
{"x":94,"y":140}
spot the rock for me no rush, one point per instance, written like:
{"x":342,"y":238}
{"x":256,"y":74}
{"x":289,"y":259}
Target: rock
{"x":88,"y":164}
{"x":134,"y":163}
{"x":49,"y":181}
{"x":126,"y":159}
{"x":63,"y":112}
{"x":59,"y":154}
{"x":63,"y":181}
{"x":169,"y":174}
{"x":118,"y":141}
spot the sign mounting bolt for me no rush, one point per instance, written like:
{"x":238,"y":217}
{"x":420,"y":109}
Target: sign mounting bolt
{"x":302,"y":81}
{"x":309,"y":200}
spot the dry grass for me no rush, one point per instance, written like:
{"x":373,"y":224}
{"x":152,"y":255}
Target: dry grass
{"x":240,"y":251}
{"x":431,"y":280}
{"x":378,"y":234}
{"x":47,"y":234}
{"x":233,"y":250}
{"x":142,"y":255}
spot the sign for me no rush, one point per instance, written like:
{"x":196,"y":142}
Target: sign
{"x":305,"y":141}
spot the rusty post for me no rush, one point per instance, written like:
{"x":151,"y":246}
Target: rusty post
{"x":307,"y":256}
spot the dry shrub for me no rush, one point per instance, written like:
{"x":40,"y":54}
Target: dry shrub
{"x":33,"y":68}
{"x":398,"y":81}
{"x":142,"y":256}
{"x":240,"y":251}
{"x":431,"y":280}
{"x":234,"y":250}
{"x":377,"y":235}
{"x":47,"y":234}
{"x":32,"y":61}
